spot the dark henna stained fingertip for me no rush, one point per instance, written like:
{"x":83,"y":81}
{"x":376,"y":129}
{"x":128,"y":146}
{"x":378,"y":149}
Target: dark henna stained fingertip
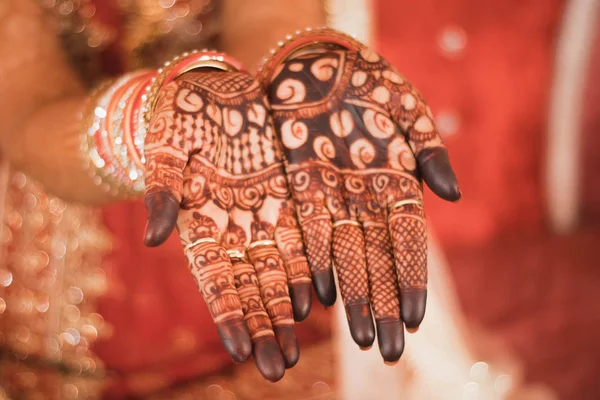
{"x":390,"y":337}
{"x":163,"y":209}
{"x":268,"y":358}
{"x":301,"y":295}
{"x":360,"y":320}
{"x":288,"y":342}
{"x":324,"y":284}
{"x":436,"y":170}
{"x":236,"y":339}
{"x":413,"y":303}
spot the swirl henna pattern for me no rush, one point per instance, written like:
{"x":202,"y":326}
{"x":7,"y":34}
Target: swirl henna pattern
{"x":357,"y":136}
{"x":211,"y":149}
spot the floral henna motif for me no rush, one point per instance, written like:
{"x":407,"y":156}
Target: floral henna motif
{"x":357,"y":137}
{"x":211,"y":148}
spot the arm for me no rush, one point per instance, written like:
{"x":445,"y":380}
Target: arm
{"x":41,"y":104}
{"x":42,"y":98}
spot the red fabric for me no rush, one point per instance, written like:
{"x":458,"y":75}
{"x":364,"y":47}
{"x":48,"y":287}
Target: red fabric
{"x":499,"y":87}
{"x":591,"y":139}
{"x":536,"y":290}
{"x":161,"y":323}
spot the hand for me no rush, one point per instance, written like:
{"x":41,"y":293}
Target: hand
{"x":358,"y":137}
{"x":211,"y":150}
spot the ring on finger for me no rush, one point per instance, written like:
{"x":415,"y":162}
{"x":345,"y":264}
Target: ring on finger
{"x":406,"y":202}
{"x":235,"y":253}
{"x":200,"y":241}
{"x":261,"y":243}
{"x":341,"y":222}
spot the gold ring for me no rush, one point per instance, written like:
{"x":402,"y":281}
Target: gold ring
{"x":235,"y":253}
{"x":345,"y":222}
{"x":401,"y":203}
{"x":261,"y":243}
{"x":200,"y":241}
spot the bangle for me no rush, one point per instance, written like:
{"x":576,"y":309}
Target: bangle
{"x":301,"y":39}
{"x":104,"y":142}
{"x":118,"y":114}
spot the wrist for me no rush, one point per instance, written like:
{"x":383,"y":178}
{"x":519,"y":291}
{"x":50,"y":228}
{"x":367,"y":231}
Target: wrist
{"x":118,"y":115}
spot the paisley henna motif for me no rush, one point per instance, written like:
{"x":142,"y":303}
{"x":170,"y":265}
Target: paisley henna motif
{"x":356,"y":135}
{"x":212,"y":149}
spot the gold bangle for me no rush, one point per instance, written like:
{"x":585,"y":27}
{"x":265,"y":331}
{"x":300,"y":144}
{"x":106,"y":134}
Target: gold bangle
{"x":406,"y":202}
{"x":346,"y":222}
{"x":261,"y":243}
{"x":200,"y":241}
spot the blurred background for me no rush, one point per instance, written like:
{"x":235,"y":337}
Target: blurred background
{"x":86,"y":311}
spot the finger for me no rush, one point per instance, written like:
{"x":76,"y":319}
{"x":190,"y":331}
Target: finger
{"x":413,"y":115}
{"x":409,"y":240}
{"x":350,"y":262}
{"x":213,"y":271}
{"x":315,"y":224}
{"x":266,"y":352}
{"x":317,"y":234}
{"x":384,"y":293}
{"x":291,"y":248}
{"x":166,"y":159}
{"x":275,"y":296}
{"x":435,"y":168}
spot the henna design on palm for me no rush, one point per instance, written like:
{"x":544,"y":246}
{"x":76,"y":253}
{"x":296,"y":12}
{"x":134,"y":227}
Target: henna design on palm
{"x":215,"y":166}
{"x":358,"y":137}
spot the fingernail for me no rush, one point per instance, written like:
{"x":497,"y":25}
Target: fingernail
{"x":412,"y":330}
{"x":391,"y":363}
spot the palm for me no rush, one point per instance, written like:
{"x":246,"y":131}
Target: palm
{"x":351,"y":126}
{"x":212,"y":139}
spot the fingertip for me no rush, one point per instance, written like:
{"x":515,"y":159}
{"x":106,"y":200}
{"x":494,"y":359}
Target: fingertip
{"x":413,"y":304}
{"x":301,"y":295}
{"x":236,"y":339}
{"x":268,"y":358}
{"x":288,"y":342}
{"x":390,"y":337}
{"x":436,"y":170}
{"x":153,"y":236}
{"x":163,"y":209}
{"x":360,"y":320}
{"x":324,"y":284}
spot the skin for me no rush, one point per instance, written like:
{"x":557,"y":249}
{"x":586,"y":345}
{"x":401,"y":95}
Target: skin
{"x":43,"y":99}
{"x":358,"y":138}
{"x":215,"y":165}
{"x":41,"y":110}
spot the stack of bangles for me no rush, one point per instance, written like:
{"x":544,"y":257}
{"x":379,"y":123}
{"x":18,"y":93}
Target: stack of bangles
{"x":118,"y":113}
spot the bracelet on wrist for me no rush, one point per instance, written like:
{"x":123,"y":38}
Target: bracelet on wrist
{"x":118,"y":115}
